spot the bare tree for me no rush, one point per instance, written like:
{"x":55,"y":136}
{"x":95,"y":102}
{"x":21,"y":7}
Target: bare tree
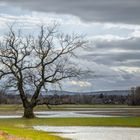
{"x":30,"y":62}
{"x":134,"y":98}
{"x":3,"y":98}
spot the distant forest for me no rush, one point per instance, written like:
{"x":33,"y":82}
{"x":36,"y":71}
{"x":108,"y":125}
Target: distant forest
{"x":56,"y":99}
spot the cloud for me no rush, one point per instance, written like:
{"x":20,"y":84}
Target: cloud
{"x":115,"y":64}
{"x":130,"y":43}
{"x":114,"y":53}
{"x":80,"y":83}
{"x":115,"y":11}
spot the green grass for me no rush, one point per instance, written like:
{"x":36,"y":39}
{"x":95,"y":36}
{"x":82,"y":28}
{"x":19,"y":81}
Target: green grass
{"x":29,"y":133}
{"x":106,"y":121}
{"x":23,"y":128}
{"x":2,"y":138}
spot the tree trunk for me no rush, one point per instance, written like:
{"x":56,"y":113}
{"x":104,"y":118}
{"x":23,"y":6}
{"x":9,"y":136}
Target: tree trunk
{"x":28,"y":113}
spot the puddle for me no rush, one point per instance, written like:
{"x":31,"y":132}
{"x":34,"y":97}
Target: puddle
{"x":9,"y":116}
{"x":93,"y":133}
{"x":60,"y":114}
{"x":67,"y":114}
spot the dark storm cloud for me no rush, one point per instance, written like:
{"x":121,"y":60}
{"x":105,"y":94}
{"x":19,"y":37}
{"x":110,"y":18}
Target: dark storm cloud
{"x":124,"y":52}
{"x":116,"y":11}
{"x":132,"y":43}
{"x":116,"y":59}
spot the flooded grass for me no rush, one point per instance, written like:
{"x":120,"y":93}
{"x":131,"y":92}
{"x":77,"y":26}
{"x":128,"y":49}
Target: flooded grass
{"x":24,"y":128}
{"x":59,"y":116}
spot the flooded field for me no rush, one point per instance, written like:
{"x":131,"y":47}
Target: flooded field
{"x":62,"y":114}
{"x":78,"y":112}
{"x":83,"y":123}
{"x":66,"y":114}
{"x":93,"y":133}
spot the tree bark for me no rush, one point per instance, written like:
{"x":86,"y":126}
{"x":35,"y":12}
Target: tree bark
{"x":28,"y":113}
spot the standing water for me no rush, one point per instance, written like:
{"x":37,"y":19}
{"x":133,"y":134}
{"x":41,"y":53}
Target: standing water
{"x":93,"y":133}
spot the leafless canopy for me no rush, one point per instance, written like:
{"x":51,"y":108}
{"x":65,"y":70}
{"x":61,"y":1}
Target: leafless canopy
{"x":33,"y":62}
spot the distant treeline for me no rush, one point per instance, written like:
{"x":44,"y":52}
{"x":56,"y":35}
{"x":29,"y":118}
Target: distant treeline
{"x":71,"y":99}
{"x":132,"y":99}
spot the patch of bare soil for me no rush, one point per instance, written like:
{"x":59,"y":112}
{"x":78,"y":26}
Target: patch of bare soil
{"x":6,"y":136}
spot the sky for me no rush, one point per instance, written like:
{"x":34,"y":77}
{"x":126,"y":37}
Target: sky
{"x":111,"y":26}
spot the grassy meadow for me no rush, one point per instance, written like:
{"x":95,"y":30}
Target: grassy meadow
{"x":23,"y":127}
